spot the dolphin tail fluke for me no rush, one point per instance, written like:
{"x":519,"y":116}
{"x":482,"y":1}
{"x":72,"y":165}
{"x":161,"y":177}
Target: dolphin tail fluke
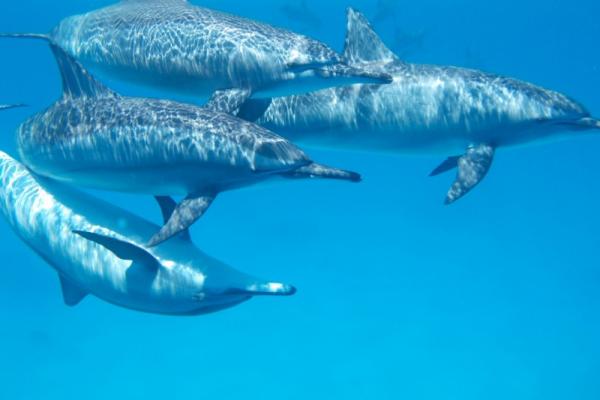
{"x":315,"y":170}
{"x":473,"y":166}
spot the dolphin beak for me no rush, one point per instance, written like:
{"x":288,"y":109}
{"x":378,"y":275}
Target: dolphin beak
{"x":355,"y":74}
{"x":265,"y":289}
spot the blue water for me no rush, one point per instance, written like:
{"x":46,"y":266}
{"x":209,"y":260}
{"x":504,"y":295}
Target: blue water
{"x":495,"y":297}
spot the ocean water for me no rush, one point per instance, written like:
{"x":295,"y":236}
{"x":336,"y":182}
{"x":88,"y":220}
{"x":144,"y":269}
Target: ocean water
{"x":400,"y":297}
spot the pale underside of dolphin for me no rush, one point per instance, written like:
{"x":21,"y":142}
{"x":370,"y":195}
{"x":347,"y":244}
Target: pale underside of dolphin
{"x":172,"y":44}
{"x":99,"y":249}
{"x":426,"y":108}
{"x":96,"y":138}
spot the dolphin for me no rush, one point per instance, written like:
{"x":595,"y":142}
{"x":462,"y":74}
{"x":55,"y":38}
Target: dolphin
{"x":174,"y":45}
{"x":464,"y":112}
{"x":99,"y":249}
{"x":96,"y":138}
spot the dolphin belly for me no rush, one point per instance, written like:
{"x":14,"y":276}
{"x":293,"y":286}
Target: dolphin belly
{"x":165,"y":179}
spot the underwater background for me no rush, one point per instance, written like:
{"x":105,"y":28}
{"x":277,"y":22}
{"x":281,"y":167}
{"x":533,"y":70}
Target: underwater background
{"x":494,"y":297}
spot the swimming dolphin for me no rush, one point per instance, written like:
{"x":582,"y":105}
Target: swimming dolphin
{"x":99,"y":249}
{"x":426,"y":108}
{"x":96,"y":138}
{"x":172,"y":44}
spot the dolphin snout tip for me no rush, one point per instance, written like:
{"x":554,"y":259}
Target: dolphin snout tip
{"x":282,"y":289}
{"x":355,"y":177}
{"x":270,"y":289}
{"x":291,"y":290}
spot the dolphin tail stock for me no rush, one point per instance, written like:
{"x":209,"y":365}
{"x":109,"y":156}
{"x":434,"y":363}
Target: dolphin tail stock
{"x":314,"y":170}
{"x":472,"y":167}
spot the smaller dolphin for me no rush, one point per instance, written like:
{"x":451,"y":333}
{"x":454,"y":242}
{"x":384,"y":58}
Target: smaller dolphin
{"x":177,"y":46}
{"x":99,"y":249}
{"x":96,"y":138}
{"x":427,"y":108}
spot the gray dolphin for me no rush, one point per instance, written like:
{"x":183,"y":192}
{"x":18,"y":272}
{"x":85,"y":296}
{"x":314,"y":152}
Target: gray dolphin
{"x":96,"y":138}
{"x":172,"y":44}
{"x":427,"y":108}
{"x":99,"y":249}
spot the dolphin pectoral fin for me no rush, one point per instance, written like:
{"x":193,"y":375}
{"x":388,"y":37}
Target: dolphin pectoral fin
{"x":123,"y":250}
{"x":167,"y":207}
{"x":228,"y":101}
{"x":182,"y":217}
{"x":315,"y":170}
{"x":472,"y":168}
{"x":448,"y":164}
{"x":72,"y":294}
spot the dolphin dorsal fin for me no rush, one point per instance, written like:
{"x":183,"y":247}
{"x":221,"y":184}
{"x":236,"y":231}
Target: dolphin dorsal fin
{"x":363,"y":45}
{"x":77,"y":82}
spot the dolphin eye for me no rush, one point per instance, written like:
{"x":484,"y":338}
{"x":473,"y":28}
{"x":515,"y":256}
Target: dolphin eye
{"x":199,"y":297}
